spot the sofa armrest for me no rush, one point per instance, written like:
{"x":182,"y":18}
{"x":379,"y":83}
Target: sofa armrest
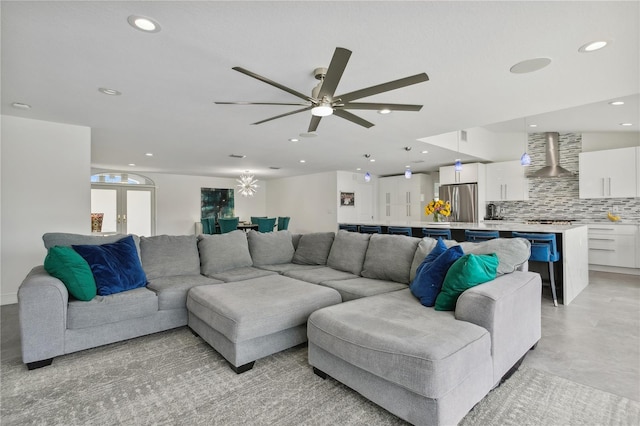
{"x":509,"y":307}
{"x":42,"y":309}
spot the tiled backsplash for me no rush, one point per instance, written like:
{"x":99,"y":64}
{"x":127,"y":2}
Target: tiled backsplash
{"x":558,"y":198}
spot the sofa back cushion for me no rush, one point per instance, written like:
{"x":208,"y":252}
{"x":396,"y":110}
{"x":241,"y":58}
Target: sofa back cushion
{"x":314,"y":248}
{"x":270,"y":248}
{"x":52,"y":239}
{"x":222,"y":252}
{"x":424,"y":248}
{"x":512,"y":252}
{"x":348,"y":251}
{"x":389,"y":257}
{"x":170,"y":255}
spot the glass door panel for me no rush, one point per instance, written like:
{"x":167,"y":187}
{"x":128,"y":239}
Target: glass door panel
{"x":138,"y":212}
{"x":106,"y":201}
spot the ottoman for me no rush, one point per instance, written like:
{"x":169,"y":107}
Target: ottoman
{"x":422,"y":365}
{"x":247,"y":320}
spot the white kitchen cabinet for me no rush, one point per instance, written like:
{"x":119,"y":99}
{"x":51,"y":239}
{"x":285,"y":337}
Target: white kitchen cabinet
{"x":610,"y":173}
{"x":470,"y":173}
{"x":613,"y":245}
{"x":506,"y":181}
{"x":403,"y":200}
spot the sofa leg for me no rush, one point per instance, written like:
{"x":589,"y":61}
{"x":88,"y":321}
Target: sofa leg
{"x":320,"y":373}
{"x":534,"y":346}
{"x":39,"y":364}
{"x":512,"y":370}
{"x":193,"y":332}
{"x":242,"y":368}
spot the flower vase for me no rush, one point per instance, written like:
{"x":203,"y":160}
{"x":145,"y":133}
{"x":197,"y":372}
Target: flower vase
{"x":436,"y":217}
{"x":96,"y":222}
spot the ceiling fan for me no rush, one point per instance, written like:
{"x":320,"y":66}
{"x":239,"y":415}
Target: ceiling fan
{"x":324,"y":102}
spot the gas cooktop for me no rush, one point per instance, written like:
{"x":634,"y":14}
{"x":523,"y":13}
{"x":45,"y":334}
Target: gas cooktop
{"x":549,"y":221}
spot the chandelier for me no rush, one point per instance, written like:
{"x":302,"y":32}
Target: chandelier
{"x":247,"y":185}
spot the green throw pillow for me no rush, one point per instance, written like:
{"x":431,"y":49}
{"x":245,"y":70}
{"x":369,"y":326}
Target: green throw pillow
{"x":468,"y":271}
{"x":68,"y":266}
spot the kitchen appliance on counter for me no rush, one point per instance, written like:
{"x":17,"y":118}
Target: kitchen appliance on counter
{"x":464,"y":201}
{"x":493,"y":212}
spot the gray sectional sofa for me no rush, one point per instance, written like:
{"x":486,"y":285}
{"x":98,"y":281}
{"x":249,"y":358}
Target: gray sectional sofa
{"x":250,"y":295}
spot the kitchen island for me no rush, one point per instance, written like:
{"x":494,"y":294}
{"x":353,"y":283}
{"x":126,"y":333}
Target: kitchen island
{"x":572,"y":269}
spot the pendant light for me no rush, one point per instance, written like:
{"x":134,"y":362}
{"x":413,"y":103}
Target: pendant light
{"x":457,"y":166}
{"x":525,"y":159}
{"x":407,"y":171}
{"x":247,"y":185}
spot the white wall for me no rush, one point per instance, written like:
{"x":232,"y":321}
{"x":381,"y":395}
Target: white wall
{"x":178,"y":201}
{"x":482,"y":143}
{"x":598,"y":141}
{"x":309,"y":200}
{"x":366,"y":198}
{"x":45,"y":171}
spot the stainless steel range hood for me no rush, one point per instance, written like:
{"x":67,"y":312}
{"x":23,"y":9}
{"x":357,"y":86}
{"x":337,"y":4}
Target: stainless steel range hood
{"x":552,"y":150}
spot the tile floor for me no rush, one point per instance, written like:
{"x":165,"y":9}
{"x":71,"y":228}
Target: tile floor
{"x":594,"y":341}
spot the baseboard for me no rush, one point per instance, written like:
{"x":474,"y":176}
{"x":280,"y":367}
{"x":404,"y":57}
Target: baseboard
{"x":8,"y":298}
{"x":614,"y":269}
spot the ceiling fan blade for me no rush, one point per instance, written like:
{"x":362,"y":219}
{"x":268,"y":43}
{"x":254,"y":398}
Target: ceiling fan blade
{"x":334,"y":72}
{"x":375,"y":106}
{"x":352,"y":117}
{"x":384,"y":87}
{"x":313,"y":125}
{"x":283,"y":115}
{"x":272,"y":83}
{"x":261,"y":103}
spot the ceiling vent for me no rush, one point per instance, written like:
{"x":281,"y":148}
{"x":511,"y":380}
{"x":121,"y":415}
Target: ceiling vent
{"x":552,"y":151}
{"x":237,"y":156}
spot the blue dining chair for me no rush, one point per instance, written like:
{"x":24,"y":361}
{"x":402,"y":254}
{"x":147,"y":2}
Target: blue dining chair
{"x":283,"y":223}
{"x":370,"y":229}
{"x":228,"y":224}
{"x":254,"y":219}
{"x":477,"y":236}
{"x":350,"y":228}
{"x":266,"y":224}
{"x":402,"y":230}
{"x":208,"y":225}
{"x":543,"y":249}
{"x":436,"y":232}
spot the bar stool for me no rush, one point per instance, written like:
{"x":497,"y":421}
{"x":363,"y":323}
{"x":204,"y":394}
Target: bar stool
{"x":435,"y":233}
{"x":477,"y":236}
{"x":350,"y":228}
{"x":370,"y":229}
{"x":402,"y":230}
{"x":543,"y":249}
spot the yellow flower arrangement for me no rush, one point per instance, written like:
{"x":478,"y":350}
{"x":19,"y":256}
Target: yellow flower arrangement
{"x":438,"y":208}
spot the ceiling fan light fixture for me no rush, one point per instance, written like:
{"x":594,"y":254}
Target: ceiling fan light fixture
{"x":384,"y":111}
{"x":322,"y":110}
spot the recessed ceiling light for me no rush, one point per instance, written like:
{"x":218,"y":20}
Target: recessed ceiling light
{"x":293,"y":140}
{"x":533,"y":125}
{"x":20,"y":105}
{"x":616,"y":103}
{"x":373,"y":160}
{"x":626,"y":124}
{"x":592,"y":46}
{"x":425,"y":152}
{"x":149,"y":154}
{"x":358,"y":168}
{"x":141,"y":23}
{"x":110,"y":92}
{"x":530,"y":65}
{"x":132,"y":164}
{"x":384,"y":111}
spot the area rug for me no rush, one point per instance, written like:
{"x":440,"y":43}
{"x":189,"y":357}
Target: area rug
{"x":175,"y":377}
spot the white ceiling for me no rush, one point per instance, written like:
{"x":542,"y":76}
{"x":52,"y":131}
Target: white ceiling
{"x":55,"y":56}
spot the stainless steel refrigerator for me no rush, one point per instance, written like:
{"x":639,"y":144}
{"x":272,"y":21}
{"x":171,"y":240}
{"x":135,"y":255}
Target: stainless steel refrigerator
{"x":464,"y":201}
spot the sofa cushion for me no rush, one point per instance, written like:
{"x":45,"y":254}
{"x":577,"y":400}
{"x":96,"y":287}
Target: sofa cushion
{"x":283,"y":267}
{"x":468,"y":271}
{"x":348,"y":251}
{"x":172,"y":291}
{"x":52,"y":239}
{"x":101,"y":310}
{"x":432,"y":272}
{"x":170,"y":255}
{"x":392,"y":336}
{"x":424,"y":248}
{"x":512,"y":252}
{"x":389,"y":257}
{"x":68,"y":266}
{"x":242,"y":274}
{"x":222,"y":252}
{"x":116,"y":266}
{"x":270,"y":248}
{"x":318,"y":275}
{"x":314,"y":248}
{"x":355,"y":288}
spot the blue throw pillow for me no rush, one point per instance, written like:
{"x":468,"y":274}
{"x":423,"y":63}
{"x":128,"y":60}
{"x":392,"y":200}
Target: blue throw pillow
{"x":433,"y":255}
{"x":116,"y":267}
{"x":429,"y":279}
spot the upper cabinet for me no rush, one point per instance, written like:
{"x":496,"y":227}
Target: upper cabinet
{"x":609,"y":174}
{"x":403,"y":200}
{"x":506,"y":181}
{"x":470,"y":173}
